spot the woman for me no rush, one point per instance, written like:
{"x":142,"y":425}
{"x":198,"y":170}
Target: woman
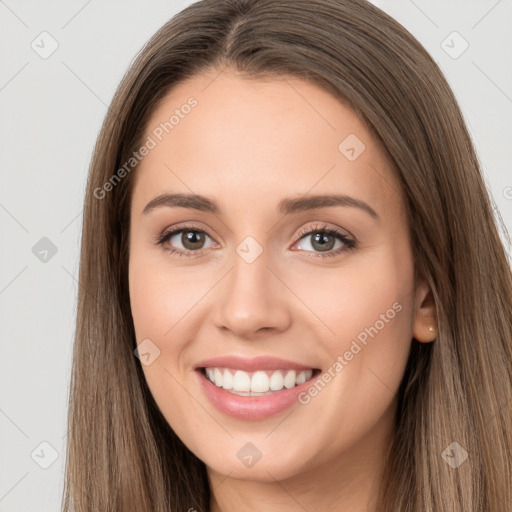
{"x":285,"y":221}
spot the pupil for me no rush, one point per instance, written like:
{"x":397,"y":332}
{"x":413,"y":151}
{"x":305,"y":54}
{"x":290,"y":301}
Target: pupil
{"x":323,"y":240}
{"x":192,"y":239}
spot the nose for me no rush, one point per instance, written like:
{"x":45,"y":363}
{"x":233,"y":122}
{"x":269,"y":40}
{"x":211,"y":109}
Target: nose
{"x":252,"y":299}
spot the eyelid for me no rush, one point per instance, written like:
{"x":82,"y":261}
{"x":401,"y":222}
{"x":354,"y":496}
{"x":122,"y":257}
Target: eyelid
{"x":180,"y":227}
{"x":322,"y":226}
{"x":348,"y":240}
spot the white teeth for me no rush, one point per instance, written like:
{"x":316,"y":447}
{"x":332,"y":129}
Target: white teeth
{"x":227,"y":380}
{"x":259,"y":382}
{"x":241,"y":381}
{"x":276,"y":381}
{"x":217,"y":375}
{"x":289,"y":380}
{"x":301,"y":378}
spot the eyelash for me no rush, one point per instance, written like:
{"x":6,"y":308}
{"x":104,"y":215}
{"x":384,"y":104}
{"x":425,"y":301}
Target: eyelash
{"x":349,"y":244}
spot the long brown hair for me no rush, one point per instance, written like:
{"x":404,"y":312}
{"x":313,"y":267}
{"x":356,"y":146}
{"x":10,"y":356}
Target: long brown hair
{"x":122,"y":455}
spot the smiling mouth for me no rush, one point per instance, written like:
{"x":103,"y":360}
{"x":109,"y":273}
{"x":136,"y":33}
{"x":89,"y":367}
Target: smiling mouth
{"x":258,"y":383}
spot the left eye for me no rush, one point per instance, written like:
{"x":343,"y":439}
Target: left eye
{"x":318,"y":242}
{"x":322,"y":241}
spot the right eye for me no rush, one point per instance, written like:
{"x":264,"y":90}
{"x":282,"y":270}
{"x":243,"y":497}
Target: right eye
{"x":191,"y":238}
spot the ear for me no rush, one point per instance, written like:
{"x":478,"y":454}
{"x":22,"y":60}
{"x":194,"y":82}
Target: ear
{"x":425,"y":316}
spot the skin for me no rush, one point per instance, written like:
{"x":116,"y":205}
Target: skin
{"x":247,"y":145}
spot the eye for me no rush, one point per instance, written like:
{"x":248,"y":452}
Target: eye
{"x":191,"y":238}
{"x":323,"y":239}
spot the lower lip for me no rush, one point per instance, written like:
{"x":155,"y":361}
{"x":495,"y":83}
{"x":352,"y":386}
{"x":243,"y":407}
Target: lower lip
{"x":251,"y":407}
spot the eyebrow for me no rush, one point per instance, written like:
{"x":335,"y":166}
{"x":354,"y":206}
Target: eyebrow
{"x":285,"y":206}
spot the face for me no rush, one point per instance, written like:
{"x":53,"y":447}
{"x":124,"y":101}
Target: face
{"x":300,"y":310}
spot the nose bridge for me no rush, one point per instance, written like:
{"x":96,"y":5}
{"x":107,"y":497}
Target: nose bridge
{"x":250,"y":297}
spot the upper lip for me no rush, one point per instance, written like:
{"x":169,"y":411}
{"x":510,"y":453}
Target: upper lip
{"x":251,"y":364}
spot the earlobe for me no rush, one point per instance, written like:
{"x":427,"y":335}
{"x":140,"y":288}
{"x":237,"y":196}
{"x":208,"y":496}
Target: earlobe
{"x":425,"y":317}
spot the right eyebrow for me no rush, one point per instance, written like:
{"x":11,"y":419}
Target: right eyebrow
{"x":194,"y":201}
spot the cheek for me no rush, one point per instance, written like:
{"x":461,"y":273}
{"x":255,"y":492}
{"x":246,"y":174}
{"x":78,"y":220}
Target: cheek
{"x":368,"y":290}
{"x":367,"y":308}
{"x":161,"y":296}
{"x":162,"y":304}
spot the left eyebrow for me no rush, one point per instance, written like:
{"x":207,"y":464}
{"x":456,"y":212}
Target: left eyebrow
{"x":311,"y":202}
{"x":285,"y":206}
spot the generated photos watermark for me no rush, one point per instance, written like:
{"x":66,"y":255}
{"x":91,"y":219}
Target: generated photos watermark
{"x":151,"y":142}
{"x":355,"y":348}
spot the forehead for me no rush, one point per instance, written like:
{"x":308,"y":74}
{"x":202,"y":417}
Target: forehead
{"x":244,"y":139}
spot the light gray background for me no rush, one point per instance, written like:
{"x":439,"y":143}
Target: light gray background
{"x":51,"y":110}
